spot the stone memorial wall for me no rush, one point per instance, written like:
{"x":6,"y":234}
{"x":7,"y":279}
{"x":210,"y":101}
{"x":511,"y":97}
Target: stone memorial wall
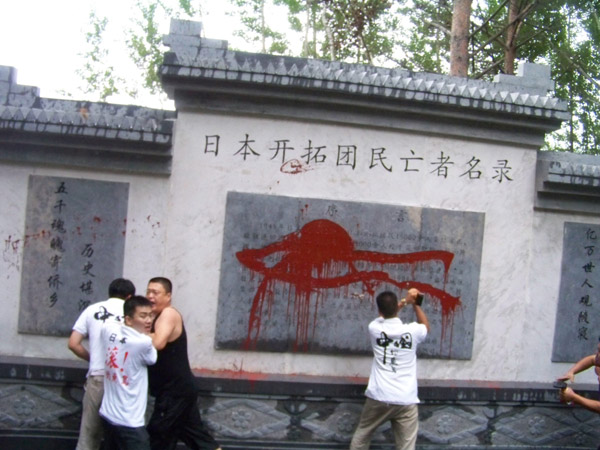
{"x":75,"y":246}
{"x":290,"y":192}
{"x":577,"y":321}
{"x":300,"y":274}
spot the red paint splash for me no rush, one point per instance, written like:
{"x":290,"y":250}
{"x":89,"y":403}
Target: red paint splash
{"x":41,"y":235}
{"x":321,"y":256}
{"x":294,"y":167}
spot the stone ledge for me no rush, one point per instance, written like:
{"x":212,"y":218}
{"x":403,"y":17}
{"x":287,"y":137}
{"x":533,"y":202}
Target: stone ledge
{"x":276,"y":412}
{"x":18,"y":369}
{"x":568,"y":182}
{"x":193,"y":61}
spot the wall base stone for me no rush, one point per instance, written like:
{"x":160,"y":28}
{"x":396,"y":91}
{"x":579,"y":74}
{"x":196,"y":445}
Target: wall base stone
{"x":40,"y":408}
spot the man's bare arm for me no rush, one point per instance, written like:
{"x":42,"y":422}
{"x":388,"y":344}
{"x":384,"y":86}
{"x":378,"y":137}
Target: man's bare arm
{"x":568,"y":395}
{"x":579,"y":366}
{"x":165,"y":327}
{"x":411,"y":298}
{"x":76,"y":345}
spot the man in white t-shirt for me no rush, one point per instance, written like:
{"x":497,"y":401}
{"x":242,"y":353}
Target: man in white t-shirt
{"x":128,"y":352}
{"x":89,"y":324}
{"x":392,"y":390}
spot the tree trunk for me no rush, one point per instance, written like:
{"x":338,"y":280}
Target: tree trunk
{"x":510,"y":52}
{"x":459,"y":38}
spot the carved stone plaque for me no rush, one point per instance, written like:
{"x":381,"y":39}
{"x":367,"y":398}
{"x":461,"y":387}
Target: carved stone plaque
{"x":74,"y":246}
{"x":301,"y":275}
{"x":577,"y":319}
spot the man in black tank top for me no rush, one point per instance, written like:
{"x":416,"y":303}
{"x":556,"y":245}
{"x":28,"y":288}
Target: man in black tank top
{"x":176,"y":415}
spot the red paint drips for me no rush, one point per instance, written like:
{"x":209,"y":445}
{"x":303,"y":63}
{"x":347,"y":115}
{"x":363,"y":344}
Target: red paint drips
{"x":321,"y":256}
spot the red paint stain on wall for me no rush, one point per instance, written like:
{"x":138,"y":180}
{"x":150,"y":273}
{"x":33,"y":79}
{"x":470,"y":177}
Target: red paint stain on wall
{"x":294,"y":167}
{"x":321,"y":256}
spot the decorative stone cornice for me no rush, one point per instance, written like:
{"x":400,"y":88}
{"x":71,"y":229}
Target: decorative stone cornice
{"x":203,"y":73}
{"x":568,"y":182}
{"x":81,"y":133}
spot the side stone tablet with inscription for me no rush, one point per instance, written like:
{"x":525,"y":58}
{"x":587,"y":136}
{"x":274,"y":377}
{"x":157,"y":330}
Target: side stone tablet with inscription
{"x":73,"y":248}
{"x":577,"y":318}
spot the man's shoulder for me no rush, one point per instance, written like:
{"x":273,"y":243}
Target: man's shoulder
{"x":376,"y":322}
{"x":171,"y":314}
{"x":109,"y":302}
{"x":135,"y":335}
{"x":380,"y":322}
{"x":111,"y":327}
{"x":103,"y":312}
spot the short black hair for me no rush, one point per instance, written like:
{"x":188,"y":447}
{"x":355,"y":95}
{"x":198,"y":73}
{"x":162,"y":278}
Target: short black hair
{"x":387,"y":303}
{"x":131,"y":304}
{"x":121,"y":288}
{"x":166,"y":283}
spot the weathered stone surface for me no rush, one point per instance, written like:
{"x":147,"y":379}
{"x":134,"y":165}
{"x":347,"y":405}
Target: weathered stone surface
{"x":525,"y":94}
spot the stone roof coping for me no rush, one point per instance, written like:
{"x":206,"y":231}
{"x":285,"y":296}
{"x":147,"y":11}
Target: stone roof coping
{"x":192,"y":57}
{"x":22,"y":108}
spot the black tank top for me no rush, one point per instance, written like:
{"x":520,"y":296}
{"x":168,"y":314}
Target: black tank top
{"x":172,"y":374}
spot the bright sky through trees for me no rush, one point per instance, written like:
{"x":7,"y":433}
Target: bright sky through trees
{"x":44,"y":39}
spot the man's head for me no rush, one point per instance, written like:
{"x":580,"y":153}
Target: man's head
{"x":159,"y":293}
{"x":121,"y":288}
{"x":387,"y":304}
{"x":138,"y":313}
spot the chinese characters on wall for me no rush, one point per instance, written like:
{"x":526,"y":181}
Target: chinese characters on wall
{"x":577,"y":324}
{"x":304,"y":272}
{"x":73,"y":248}
{"x":296,"y":157}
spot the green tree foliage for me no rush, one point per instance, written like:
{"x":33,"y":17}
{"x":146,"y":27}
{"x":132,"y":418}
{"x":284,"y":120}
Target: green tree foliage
{"x":145,"y":40}
{"x":427,"y":41}
{"x":359,"y":29}
{"x":576,"y":67}
{"x":561,"y":33}
{"x":346,"y":30}
{"x":252,"y":15}
{"x":142,"y":42}
{"x":305,"y":19}
{"x":412,"y":34}
{"x":98,"y":76}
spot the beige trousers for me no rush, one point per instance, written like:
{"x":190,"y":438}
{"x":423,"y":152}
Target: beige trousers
{"x":90,"y":430}
{"x":404,"y":420}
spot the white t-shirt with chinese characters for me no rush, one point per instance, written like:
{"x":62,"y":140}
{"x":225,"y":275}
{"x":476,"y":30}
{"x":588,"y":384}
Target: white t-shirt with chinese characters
{"x":393,"y":376}
{"x":127,"y":355}
{"x":89,"y":324}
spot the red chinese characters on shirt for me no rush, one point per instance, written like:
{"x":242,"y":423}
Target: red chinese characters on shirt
{"x":114,"y":371}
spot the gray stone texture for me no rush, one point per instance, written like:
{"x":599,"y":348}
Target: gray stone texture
{"x":75,"y":247}
{"x":194,"y":58}
{"x":122,"y":138}
{"x":567,"y":182}
{"x":41,"y":401}
{"x":274,"y":312}
{"x":577,"y":316}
